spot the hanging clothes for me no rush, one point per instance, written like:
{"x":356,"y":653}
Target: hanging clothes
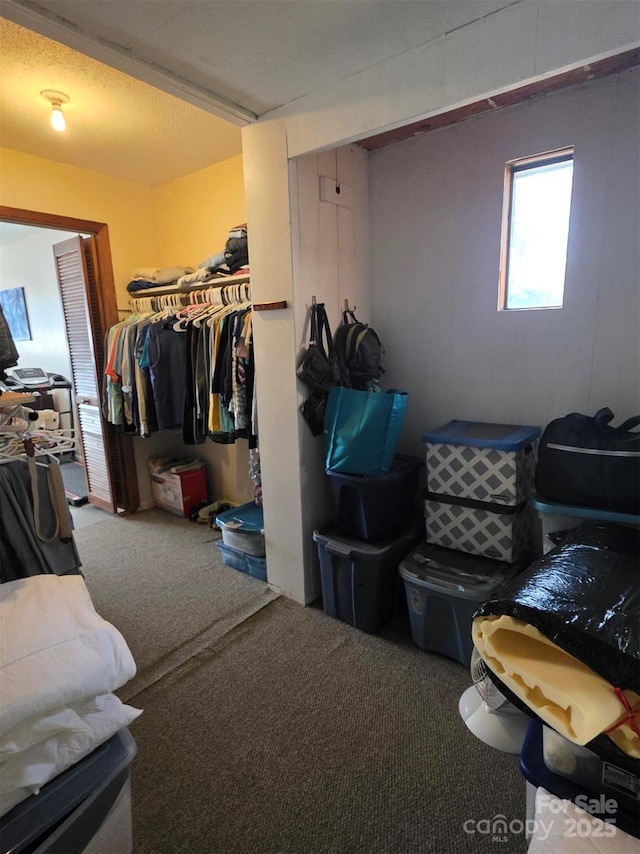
{"x":184,"y":362}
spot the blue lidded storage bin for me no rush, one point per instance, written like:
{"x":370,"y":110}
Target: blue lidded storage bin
{"x":482,"y":434}
{"x":244,"y":562}
{"x":556,"y":518}
{"x":444,"y":587}
{"x":243,"y":528}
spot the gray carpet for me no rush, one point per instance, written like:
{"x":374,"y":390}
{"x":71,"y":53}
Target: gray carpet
{"x":298,"y":734}
{"x":161,"y":581}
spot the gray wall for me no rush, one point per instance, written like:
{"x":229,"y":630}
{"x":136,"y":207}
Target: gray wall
{"x":436,"y":207}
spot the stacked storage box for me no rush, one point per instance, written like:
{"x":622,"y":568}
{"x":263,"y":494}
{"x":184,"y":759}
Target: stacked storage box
{"x":374,"y":528}
{"x":478,"y":529}
{"x":242,"y":545}
{"x":479,"y":481}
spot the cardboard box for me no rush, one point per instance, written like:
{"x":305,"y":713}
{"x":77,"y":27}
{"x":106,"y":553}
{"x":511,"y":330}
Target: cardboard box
{"x":178,"y":486}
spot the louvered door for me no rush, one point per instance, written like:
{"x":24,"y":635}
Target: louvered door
{"x":75,"y":269}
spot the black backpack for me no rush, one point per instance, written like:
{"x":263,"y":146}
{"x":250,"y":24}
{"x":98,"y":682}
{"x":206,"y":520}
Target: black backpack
{"x":358,"y":352}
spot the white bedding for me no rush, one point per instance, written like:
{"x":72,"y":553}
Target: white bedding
{"x":60,"y":662}
{"x":33,"y":754}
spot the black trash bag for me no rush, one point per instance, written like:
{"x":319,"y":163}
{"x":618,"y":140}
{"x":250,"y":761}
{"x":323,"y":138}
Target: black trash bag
{"x":584,"y":596}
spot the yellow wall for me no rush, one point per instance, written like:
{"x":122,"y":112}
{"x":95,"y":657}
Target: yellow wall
{"x":179,"y":223}
{"x":37,"y":184}
{"x":195,"y":213}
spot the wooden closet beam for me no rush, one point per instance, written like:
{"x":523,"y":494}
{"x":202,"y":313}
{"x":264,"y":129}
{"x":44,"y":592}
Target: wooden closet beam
{"x":269,"y":306}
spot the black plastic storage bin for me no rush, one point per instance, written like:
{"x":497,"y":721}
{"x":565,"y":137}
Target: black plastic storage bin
{"x":376,"y":507}
{"x":86,"y":807}
{"x":360,"y":580}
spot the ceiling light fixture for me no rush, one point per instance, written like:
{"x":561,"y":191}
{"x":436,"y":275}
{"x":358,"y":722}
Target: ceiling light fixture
{"x":56,"y":99}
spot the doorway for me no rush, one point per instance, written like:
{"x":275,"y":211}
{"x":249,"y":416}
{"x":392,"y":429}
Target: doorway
{"x":87,"y":295}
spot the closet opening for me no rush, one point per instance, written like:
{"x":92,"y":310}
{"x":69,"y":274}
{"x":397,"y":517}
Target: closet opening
{"x":86,"y":292}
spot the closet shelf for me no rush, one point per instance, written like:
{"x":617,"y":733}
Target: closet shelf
{"x":217,"y":281}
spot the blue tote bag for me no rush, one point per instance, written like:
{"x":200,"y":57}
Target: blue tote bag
{"x":362,"y":429}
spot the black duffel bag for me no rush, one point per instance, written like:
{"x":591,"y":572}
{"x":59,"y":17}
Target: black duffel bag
{"x":584,"y":461}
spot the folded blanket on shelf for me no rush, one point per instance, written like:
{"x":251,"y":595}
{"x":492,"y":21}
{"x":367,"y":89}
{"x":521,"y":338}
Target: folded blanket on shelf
{"x":200,"y":275}
{"x":141,"y":285}
{"x":213,"y":260}
{"x":169,"y":275}
{"x":564,"y":637}
{"x":155,"y":277}
{"x":148,"y":273}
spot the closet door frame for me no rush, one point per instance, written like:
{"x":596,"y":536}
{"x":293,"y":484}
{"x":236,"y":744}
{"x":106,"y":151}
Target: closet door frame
{"x":120,"y":451}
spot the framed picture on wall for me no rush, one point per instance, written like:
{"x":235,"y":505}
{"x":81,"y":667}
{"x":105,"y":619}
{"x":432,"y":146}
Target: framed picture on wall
{"x":14,"y":308}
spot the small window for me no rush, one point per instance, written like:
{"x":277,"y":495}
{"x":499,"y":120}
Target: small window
{"x":537,"y":201}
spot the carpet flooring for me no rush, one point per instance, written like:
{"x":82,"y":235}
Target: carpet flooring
{"x":298,"y":734}
{"x":75,"y":482}
{"x":270,"y":728}
{"x":161,"y":581}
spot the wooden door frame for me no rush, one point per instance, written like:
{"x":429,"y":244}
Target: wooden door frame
{"x":105,"y":297}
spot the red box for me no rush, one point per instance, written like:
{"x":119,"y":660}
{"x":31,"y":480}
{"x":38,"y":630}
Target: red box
{"x":179,"y":492}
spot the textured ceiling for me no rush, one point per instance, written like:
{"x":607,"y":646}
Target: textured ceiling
{"x":224,"y":58}
{"x":116,"y":124}
{"x":182,"y":76}
{"x":259,"y":54}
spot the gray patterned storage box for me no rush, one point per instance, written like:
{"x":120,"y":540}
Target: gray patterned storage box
{"x":479,"y":480}
{"x":501,"y":533}
{"x":493,"y":463}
